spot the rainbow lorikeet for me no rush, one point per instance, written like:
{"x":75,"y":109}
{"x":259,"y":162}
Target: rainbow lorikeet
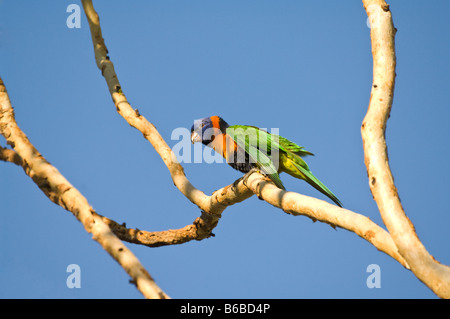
{"x":247,"y":148}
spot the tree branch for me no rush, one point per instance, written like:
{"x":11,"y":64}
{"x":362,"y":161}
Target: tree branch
{"x":213,"y":206}
{"x":381,"y":181}
{"x":200,"y":229}
{"x":134,"y":118}
{"x":404,"y":245}
{"x":290,"y":202}
{"x":316,"y":209}
{"x":9,"y":155}
{"x":61,"y":192}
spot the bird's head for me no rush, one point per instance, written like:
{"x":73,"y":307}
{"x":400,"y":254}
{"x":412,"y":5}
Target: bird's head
{"x":206,"y":129}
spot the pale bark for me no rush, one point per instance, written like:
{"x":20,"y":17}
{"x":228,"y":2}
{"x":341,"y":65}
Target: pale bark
{"x":61,"y":192}
{"x":381,"y":181}
{"x":211,"y":206}
{"x":400,"y":241}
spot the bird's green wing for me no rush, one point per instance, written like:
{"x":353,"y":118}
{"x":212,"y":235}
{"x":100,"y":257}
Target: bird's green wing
{"x":258,"y":145}
{"x":290,"y":146}
{"x":292,"y":150}
{"x":283,"y":145}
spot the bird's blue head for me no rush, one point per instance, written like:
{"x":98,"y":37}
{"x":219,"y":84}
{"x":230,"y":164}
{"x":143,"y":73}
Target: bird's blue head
{"x":206,"y":129}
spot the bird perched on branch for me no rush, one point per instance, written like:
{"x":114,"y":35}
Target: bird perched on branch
{"x":248,"y":148}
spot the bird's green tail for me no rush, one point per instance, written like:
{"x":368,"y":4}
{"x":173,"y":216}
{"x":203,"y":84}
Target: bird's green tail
{"x":314,"y":182}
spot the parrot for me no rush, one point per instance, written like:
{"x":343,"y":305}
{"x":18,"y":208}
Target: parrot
{"x":249,"y":148}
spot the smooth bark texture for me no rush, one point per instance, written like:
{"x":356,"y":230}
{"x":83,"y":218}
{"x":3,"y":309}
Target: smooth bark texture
{"x":400,"y":241}
{"x":211,"y":206}
{"x":381,"y":181}
{"x":61,"y":192}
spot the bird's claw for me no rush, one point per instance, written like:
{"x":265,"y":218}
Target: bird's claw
{"x":244,"y":179}
{"x":247,"y":175}
{"x":235,"y":184}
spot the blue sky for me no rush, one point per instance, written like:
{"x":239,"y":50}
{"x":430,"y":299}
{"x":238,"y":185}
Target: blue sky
{"x":302,"y":67}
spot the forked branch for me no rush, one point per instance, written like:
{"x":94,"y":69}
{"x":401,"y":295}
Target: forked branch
{"x":401,"y":242}
{"x":213,"y":206}
{"x":61,"y":192}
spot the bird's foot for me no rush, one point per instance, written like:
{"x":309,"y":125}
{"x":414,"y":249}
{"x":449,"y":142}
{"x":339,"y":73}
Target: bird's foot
{"x":244,"y":179}
{"x":235,"y":184}
{"x":247,"y":175}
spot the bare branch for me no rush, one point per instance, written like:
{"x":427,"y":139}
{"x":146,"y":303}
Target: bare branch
{"x":381,"y":181}
{"x":9,"y":155}
{"x":201,"y":228}
{"x":316,"y":209}
{"x":290,"y":202}
{"x":212,"y":206}
{"x":61,"y":192}
{"x":135,"y":119}
{"x":401,"y":242}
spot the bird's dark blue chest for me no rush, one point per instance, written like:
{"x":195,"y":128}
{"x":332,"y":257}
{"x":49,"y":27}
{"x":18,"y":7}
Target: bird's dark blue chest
{"x":241,"y":162}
